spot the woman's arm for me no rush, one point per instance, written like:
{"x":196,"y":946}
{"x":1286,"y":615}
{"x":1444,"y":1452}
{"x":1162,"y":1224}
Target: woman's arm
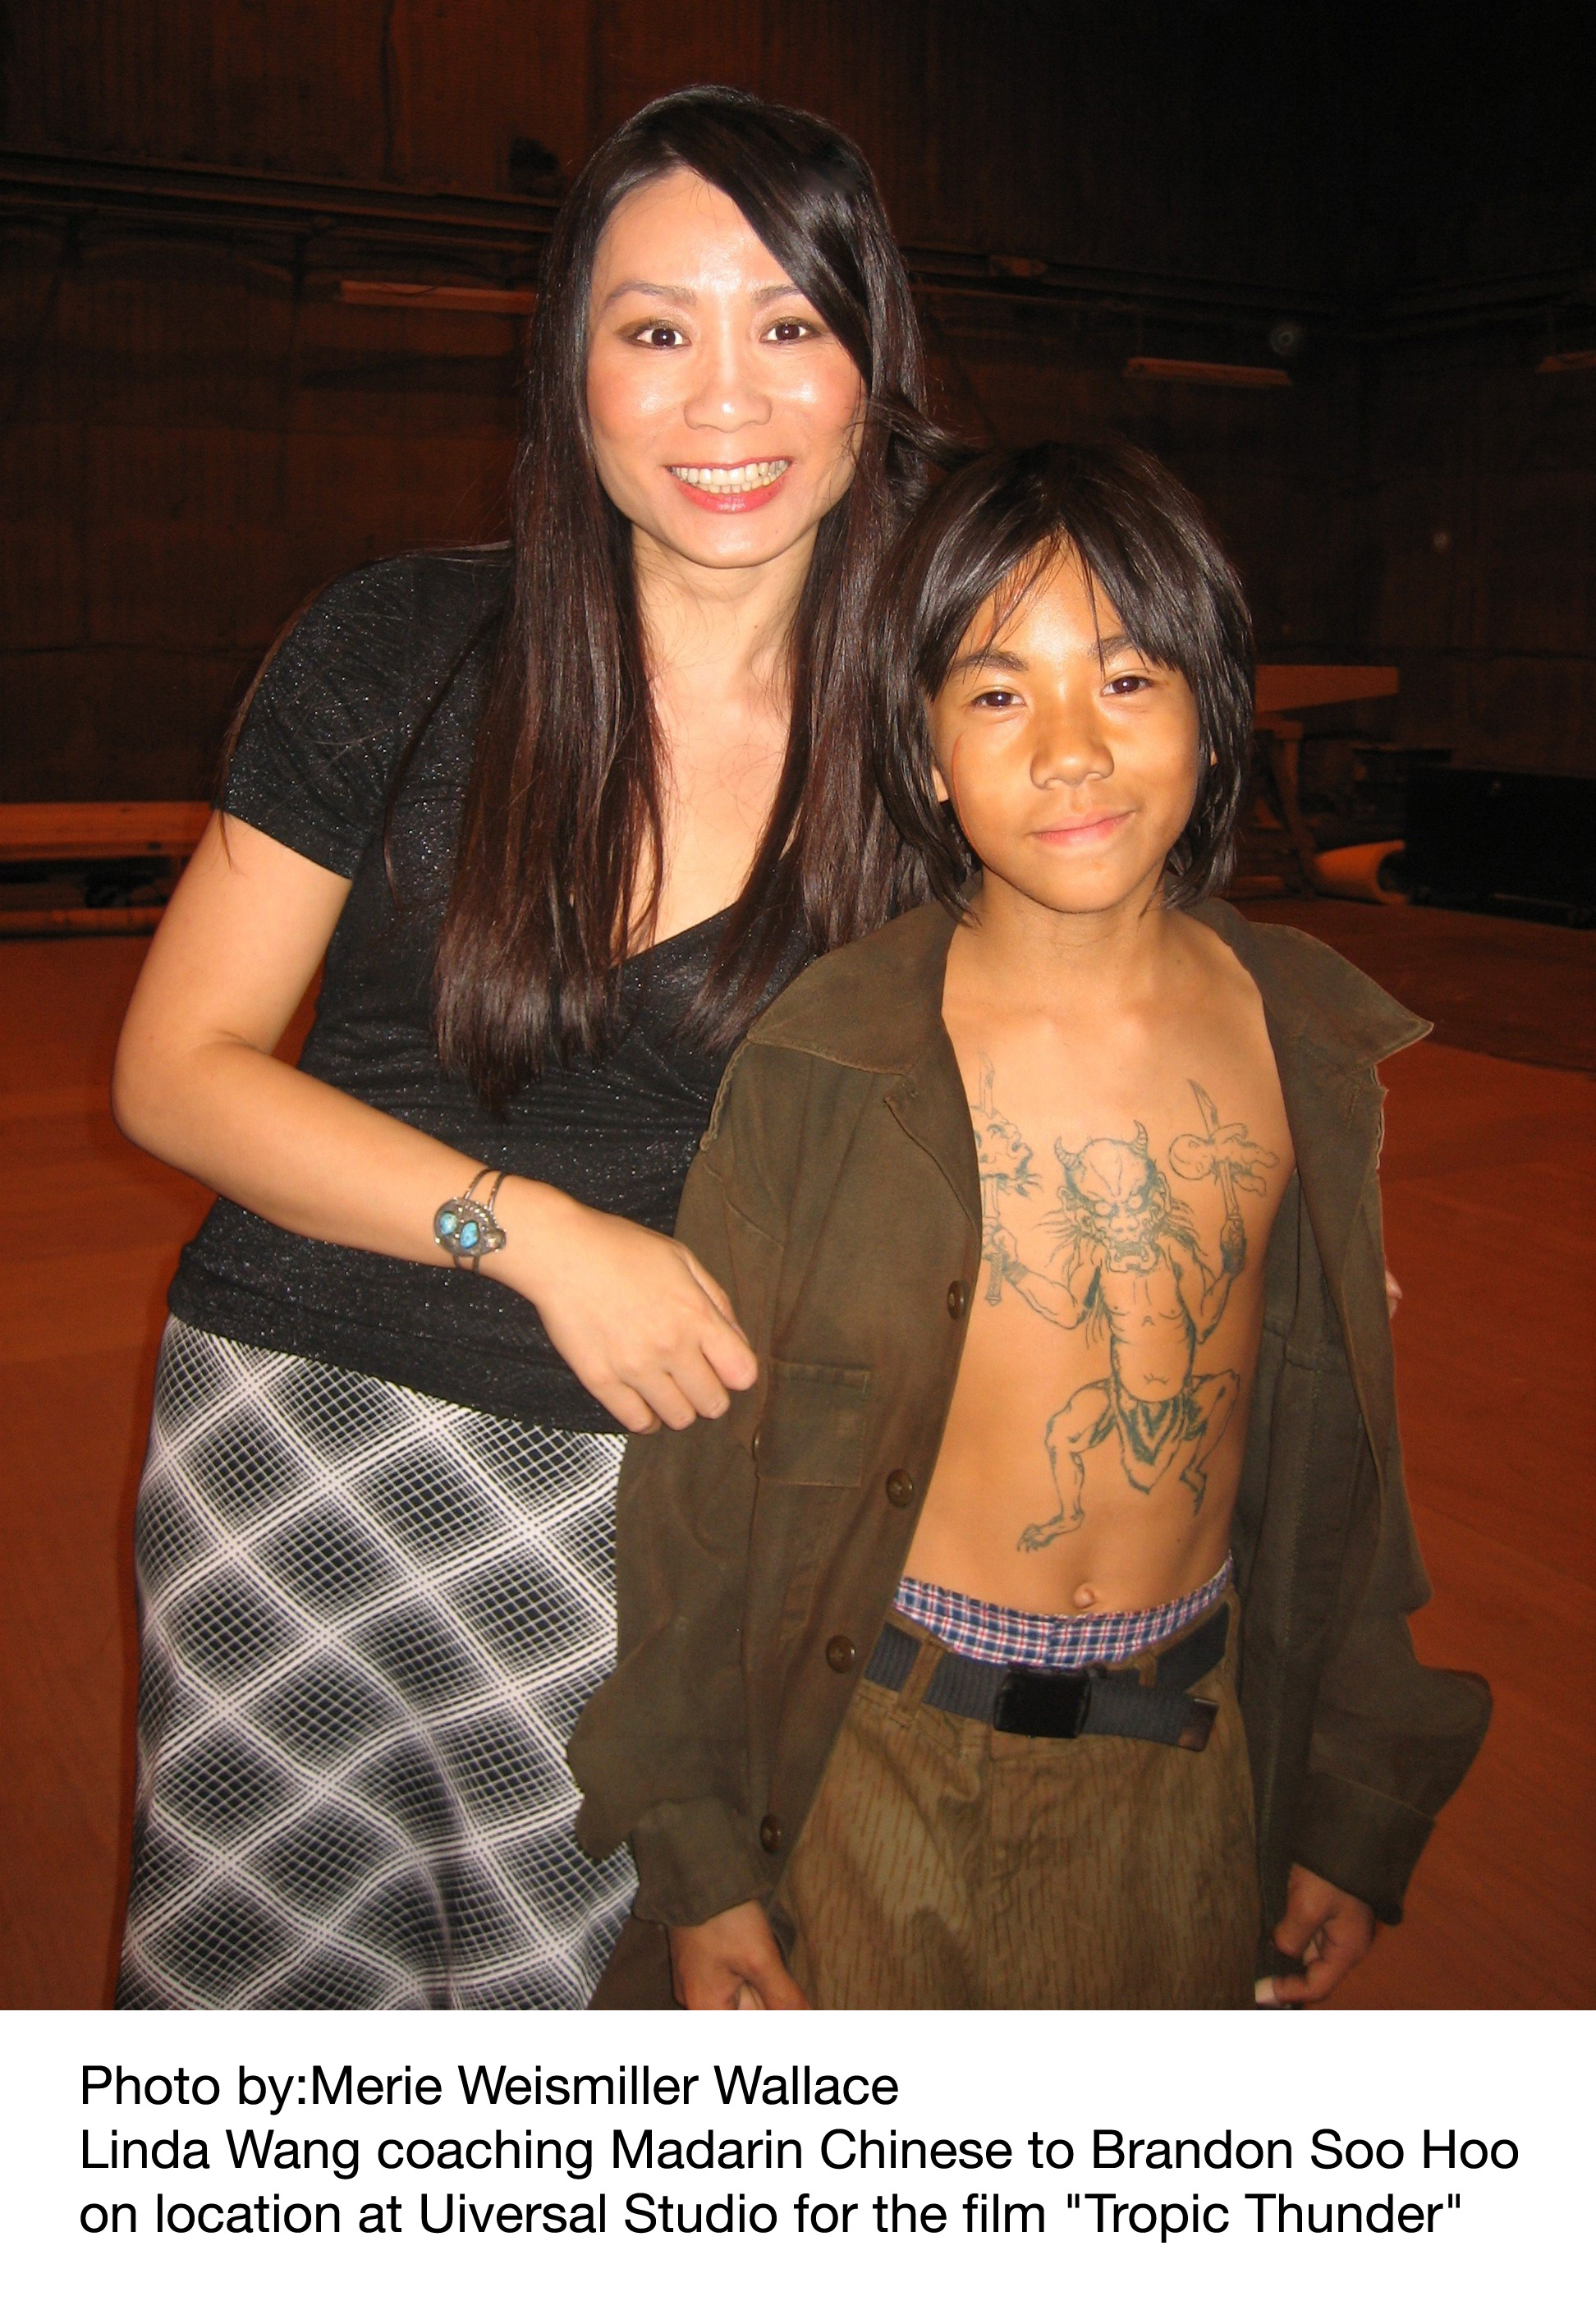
{"x":197,"y":1082}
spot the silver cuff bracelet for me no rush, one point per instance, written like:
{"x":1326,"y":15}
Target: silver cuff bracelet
{"x":465,"y":1226}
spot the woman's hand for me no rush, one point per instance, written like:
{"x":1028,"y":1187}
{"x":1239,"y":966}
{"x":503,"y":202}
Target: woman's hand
{"x":636,"y":1318}
{"x":731,"y":1965}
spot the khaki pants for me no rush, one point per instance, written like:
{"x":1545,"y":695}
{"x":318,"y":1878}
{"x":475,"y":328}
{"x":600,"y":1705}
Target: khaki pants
{"x":946,"y":1864}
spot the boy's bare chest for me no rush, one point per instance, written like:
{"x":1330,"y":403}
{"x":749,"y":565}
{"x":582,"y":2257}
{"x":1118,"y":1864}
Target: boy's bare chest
{"x":1121,"y":1176}
{"x":1126,"y":1210}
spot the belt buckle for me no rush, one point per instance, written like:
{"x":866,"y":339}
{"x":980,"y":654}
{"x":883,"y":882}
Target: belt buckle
{"x":1043,"y":1702}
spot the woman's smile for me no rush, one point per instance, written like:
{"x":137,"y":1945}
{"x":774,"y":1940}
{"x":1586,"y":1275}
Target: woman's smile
{"x":732,"y":487}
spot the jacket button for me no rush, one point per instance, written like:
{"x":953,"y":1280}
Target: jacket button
{"x":958,"y":1298}
{"x":841,"y":1654}
{"x":900,"y":1489}
{"x":770,"y":1834}
{"x":753,"y":1448}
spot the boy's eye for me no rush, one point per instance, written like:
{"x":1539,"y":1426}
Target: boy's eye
{"x":659,"y":336}
{"x":995,"y":698}
{"x":1128,"y":682}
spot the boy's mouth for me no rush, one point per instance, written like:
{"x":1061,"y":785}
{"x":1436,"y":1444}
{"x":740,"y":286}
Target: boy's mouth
{"x":732,"y":487}
{"x":1083,"y":831}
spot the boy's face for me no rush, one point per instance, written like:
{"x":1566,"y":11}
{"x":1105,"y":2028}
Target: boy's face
{"x":1070,"y":759}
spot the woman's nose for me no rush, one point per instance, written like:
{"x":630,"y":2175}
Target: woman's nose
{"x":726,"y":391}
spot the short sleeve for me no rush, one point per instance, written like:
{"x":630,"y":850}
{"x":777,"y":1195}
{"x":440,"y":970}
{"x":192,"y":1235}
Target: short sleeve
{"x":331,"y":713}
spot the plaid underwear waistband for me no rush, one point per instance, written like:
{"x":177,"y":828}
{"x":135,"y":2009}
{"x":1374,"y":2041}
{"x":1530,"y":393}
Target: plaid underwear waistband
{"x":983,"y":1632}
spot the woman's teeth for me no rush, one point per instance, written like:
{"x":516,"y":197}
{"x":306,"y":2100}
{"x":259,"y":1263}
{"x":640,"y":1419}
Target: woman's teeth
{"x":729,"y":480}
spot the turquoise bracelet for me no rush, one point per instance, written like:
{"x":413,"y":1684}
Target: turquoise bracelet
{"x":465,"y":1228}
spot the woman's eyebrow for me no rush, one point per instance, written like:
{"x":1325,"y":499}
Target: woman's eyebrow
{"x":665,"y":294}
{"x":649,"y":287}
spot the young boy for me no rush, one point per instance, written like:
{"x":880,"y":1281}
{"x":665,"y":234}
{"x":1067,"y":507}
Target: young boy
{"x":1034,"y":1634}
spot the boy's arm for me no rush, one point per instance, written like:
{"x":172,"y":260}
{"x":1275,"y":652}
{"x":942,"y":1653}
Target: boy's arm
{"x":1392,"y":1737}
{"x":660,"y":1750}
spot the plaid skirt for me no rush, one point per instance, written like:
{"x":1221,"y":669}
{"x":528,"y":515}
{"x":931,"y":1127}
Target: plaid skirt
{"x":369,"y":1620}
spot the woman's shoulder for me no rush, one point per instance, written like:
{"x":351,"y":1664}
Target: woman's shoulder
{"x":336,"y":705}
{"x":430,"y":601}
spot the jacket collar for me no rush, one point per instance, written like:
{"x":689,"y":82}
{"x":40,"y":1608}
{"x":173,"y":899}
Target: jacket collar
{"x":877,"y":1006}
{"x":1313,"y":996}
{"x":874,"y":1005}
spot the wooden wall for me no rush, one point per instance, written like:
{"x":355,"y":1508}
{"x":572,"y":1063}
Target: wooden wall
{"x":1475,"y":172}
{"x":192,"y":436}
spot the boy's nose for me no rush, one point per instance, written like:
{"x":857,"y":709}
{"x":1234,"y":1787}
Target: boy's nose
{"x":1069,"y":749}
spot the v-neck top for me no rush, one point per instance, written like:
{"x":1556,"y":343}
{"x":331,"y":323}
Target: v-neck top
{"x":394,"y":647}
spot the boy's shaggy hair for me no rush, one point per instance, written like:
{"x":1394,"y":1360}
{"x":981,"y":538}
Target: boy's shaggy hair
{"x":993,"y":531}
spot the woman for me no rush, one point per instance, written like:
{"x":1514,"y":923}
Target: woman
{"x":560,"y":822}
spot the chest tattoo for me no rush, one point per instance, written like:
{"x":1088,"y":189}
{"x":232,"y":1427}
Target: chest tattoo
{"x":1126,"y":1259}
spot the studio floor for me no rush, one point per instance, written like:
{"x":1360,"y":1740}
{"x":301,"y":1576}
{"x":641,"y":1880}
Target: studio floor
{"x":1491,"y":1228}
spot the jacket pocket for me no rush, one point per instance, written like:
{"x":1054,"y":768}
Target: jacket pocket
{"x":812,"y":1431}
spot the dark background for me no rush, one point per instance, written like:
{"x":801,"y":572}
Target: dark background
{"x":196,"y":432}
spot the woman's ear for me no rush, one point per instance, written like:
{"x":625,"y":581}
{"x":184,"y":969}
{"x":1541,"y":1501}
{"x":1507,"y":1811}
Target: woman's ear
{"x":941,"y":788}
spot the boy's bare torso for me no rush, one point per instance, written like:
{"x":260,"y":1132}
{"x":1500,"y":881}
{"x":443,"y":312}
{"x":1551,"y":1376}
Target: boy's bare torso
{"x":1132,"y":1165}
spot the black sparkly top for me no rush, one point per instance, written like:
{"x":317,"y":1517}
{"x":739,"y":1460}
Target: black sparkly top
{"x":327,"y":732}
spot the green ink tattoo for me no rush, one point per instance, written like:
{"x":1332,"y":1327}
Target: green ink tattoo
{"x":1130,"y":1262}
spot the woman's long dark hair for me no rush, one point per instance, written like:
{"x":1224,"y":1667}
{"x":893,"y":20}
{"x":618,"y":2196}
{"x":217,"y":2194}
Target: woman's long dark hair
{"x":563,"y":823}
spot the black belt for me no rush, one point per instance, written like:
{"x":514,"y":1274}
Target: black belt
{"x":1063,"y":1703}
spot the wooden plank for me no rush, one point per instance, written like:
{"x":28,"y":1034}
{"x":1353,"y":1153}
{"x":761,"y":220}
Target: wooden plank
{"x":108,"y":919}
{"x":435,"y":296}
{"x":1301,"y":686}
{"x":98,"y":831}
{"x":1222,"y":372}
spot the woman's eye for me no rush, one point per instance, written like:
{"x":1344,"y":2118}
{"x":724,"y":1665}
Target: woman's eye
{"x":790,"y":331}
{"x":659,"y":335}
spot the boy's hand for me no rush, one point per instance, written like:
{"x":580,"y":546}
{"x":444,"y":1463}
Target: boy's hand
{"x":732,"y":1964}
{"x":1328,"y":1930}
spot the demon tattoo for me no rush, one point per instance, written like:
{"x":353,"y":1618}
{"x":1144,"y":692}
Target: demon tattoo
{"x":1127,"y":1261}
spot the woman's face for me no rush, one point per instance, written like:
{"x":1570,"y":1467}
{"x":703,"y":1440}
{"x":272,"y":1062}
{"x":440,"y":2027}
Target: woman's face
{"x":723,"y":411}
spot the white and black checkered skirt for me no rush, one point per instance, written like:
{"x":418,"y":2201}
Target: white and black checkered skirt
{"x":370,"y":1619}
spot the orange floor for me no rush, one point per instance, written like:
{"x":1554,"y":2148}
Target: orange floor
{"x":1489,"y":1175}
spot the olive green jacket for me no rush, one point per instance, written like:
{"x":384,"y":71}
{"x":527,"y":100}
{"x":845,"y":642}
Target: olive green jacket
{"x":836,"y":1199}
